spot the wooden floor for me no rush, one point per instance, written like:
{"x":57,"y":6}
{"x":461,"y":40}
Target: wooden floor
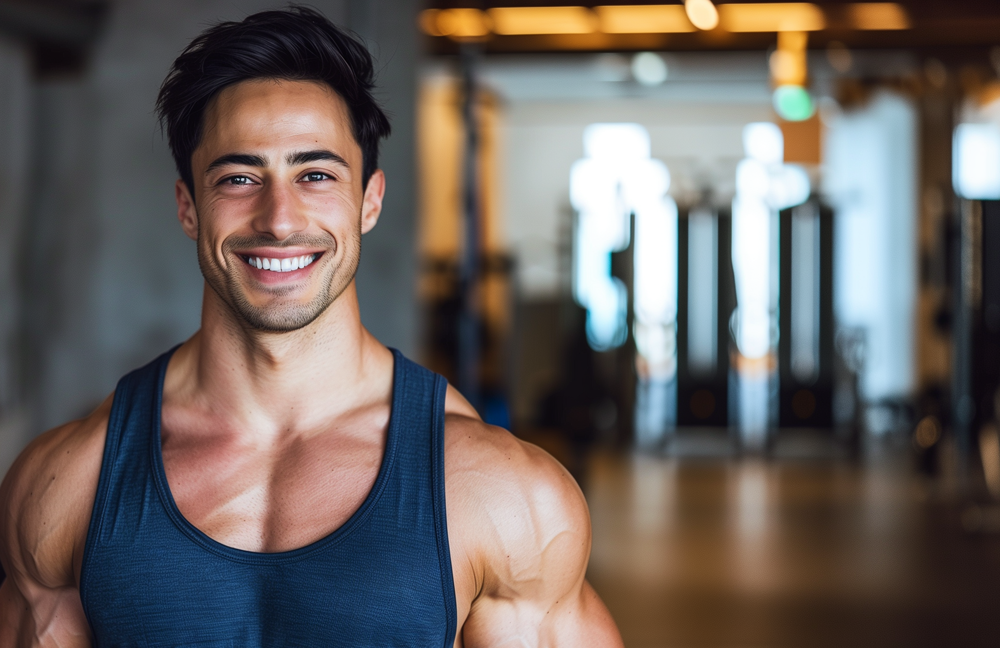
{"x":748,"y":553}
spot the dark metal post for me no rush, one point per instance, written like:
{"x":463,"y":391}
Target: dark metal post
{"x":468,"y":324}
{"x":967,"y":294}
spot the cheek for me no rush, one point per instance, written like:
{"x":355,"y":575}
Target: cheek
{"x":224,"y":217}
{"x":337,"y":214}
{"x":216,"y":224}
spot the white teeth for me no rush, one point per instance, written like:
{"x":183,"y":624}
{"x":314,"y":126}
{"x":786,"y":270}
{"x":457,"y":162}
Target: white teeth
{"x":281,"y":265}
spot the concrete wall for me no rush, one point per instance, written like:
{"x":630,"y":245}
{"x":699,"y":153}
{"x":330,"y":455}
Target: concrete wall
{"x":387,"y":275}
{"x":15,"y":107}
{"x":108,"y":280}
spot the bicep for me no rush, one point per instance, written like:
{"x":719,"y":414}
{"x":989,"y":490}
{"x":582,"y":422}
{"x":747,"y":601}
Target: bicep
{"x":535,"y":593}
{"x":577,"y":620}
{"x":43,"y":508}
{"x":585,"y":622}
{"x":33,"y":616}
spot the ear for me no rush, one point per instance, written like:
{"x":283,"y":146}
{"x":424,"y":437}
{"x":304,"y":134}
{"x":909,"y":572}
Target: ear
{"x":186,"y":212}
{"x":371,"y":208}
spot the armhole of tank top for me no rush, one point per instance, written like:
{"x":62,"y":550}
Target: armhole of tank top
{"x":112,"y":442}
{"x":440,"y":509}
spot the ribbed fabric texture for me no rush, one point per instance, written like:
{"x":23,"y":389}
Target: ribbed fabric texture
{"x":150,"y":578}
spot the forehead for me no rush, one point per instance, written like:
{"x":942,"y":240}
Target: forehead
{"x":269,"y":113}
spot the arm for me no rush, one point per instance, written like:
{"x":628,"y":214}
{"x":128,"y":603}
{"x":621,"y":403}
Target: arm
{"x":45,"y":504}
{"x":530,"y":544}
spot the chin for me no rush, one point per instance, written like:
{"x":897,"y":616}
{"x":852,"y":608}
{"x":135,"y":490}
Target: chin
{"x":278,"y":319}
{"x":273,"y":310}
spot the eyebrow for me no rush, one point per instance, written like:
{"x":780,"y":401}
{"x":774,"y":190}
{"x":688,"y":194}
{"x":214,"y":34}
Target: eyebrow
{"x":234,"y":159}
{"x":259,"y":161}
{"x":305,"y":157}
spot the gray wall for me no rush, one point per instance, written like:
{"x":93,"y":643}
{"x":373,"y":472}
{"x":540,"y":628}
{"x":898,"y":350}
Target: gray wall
{"x":387,"y":276}
{"x":15,"y":105}
{"x":105,"y":279}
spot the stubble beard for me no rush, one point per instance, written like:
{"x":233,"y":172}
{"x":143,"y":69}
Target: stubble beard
{"x":280,"y":316}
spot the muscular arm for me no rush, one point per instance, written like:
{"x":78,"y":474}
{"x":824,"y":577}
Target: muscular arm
{"x":525,"y":535}
{"x":45,"y":504}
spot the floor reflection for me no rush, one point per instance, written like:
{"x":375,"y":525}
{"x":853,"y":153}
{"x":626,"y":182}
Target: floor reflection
{"x":733,"y":553}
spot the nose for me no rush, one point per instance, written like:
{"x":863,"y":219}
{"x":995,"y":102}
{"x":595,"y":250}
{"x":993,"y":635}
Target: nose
{"x":279,"y":214}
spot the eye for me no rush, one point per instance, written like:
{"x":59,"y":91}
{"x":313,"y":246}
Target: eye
{"x":316,"y":176}
{"x":238,"y":180}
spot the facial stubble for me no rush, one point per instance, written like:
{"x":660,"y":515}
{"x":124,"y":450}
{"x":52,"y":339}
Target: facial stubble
{"x":230,"y":283}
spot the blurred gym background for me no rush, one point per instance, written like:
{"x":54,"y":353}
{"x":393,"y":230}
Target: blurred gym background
{"x":736,"y":266}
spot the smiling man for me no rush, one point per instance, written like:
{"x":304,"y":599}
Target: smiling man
{"x":282,"y":478}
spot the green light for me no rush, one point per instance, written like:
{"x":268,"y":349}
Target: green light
{"x":793,"y":103}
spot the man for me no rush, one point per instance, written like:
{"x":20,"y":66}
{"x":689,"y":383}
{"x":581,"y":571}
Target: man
{"x":282,"y":478}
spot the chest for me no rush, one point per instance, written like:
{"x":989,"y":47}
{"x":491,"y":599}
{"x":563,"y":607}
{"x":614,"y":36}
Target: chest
{"x":270,"y":496}
{"x":378,"y":580}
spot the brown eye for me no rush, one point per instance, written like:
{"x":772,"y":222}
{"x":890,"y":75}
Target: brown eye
{"x":238,"y":180}
{"x":316,"y":177}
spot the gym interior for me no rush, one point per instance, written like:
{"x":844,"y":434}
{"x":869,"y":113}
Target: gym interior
{"x":735,"y":265}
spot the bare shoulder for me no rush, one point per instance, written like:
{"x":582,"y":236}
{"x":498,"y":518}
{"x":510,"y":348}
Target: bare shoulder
{"x":520,"y":533}
{"x":498,"y":459}
{"x":498,"y":462}
{"x":46,"y":500}
{"x":517,"y":509}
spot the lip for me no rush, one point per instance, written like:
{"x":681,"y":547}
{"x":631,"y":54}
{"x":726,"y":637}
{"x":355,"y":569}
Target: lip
{"x":278,"y":253}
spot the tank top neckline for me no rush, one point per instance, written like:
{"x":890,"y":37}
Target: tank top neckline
{"x":256,"y":557}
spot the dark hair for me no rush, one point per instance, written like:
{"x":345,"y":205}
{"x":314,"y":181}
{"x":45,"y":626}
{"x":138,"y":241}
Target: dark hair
{"x":297,"y":44}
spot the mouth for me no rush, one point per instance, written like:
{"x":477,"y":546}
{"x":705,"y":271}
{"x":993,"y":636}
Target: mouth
{"x":285,"y":264}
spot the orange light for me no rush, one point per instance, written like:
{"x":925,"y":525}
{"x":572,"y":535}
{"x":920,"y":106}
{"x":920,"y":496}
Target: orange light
{"x":771,"y":17}
{"x":702,"y":13}
{"x":459,"y":24}
{"x":788,"y":62}
{"x":877,"y":15}
{"x":515,"y":21}
{"x":788,"y":68}
{"x":643,"y":19}
{"x":794,"y":41}
{"x":428,"y":22}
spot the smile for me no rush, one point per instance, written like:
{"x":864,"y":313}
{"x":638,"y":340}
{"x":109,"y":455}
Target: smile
{"x":281,"y":265}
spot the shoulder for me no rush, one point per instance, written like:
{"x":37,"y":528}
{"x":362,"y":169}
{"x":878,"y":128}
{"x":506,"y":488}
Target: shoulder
{"x":516,"y":512}
{"x":46,"y":500}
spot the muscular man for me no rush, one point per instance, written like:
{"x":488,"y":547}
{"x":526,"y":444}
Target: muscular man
{"x":282,"y":478}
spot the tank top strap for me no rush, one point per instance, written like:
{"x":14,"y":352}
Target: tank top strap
{"x":418,"y":403}
{"x":416,"y":440}
{"x":127,"y":457}
{"x":419,"y":410}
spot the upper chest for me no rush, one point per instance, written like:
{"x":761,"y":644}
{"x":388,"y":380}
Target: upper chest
{"x":280,"y":497}
{"x":271,"y":492}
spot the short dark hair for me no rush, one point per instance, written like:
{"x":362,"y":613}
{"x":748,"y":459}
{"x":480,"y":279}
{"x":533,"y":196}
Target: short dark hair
{"x":297,"y":44}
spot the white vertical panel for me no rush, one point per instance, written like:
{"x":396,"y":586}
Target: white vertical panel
{"x":976,"y":161}
{"x":752,"y":271}
{"x":871,"y":178}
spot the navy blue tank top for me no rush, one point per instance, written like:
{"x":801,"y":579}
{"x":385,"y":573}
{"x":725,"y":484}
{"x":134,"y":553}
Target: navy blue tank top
{"x":151,"y":578}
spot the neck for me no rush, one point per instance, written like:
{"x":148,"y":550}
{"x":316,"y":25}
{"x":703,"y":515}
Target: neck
{"x":281,"y":381}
